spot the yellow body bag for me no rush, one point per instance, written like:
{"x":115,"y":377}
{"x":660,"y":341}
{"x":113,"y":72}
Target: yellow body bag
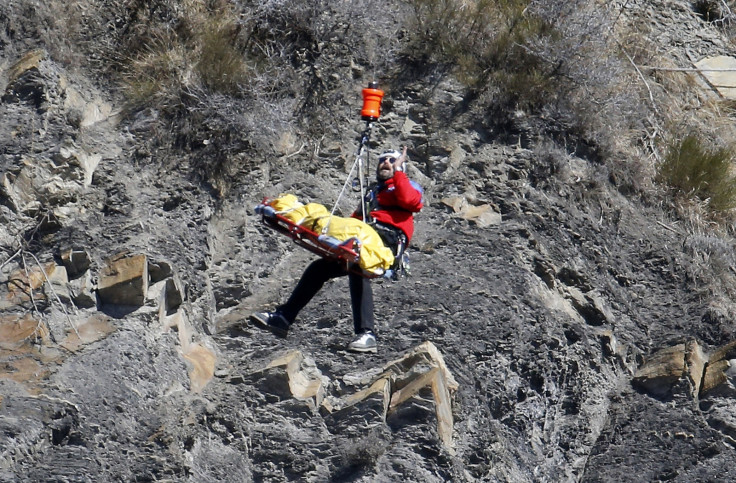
{"x":374,"y":255}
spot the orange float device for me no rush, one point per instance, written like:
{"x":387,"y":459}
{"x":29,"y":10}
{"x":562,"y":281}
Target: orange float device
{"x":371,"y":102}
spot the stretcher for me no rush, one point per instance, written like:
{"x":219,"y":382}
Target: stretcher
{"x":346,"y":252}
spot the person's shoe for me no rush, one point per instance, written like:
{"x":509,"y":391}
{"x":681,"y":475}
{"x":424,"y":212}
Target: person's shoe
{"x":365,"y":342}
{"x":273,"y":321}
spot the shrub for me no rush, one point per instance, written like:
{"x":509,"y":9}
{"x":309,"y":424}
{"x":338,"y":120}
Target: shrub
{"x":196,"y":50}
{"x":705,"y":173}
{"x":361,"y":453}
{"x":215,"y":80}
{"x":479,"y":39}
{"x":539,"y":67}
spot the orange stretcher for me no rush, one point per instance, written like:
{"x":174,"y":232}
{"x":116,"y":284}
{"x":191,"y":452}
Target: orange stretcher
{"x":346,"y":252}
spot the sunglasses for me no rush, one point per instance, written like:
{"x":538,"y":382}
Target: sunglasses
{"x":387,"y":158}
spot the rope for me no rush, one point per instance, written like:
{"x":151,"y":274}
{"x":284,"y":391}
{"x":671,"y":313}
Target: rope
{"x":359,"y":162}
{"x":361,"y":177}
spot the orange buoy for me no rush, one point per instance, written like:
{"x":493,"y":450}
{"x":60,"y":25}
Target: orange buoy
{"x":372,"y":97}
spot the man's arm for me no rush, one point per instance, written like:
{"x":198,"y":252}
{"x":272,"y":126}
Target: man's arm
{"x":407,"y":196}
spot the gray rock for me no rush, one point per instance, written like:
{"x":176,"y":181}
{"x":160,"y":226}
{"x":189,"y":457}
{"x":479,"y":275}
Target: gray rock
{"x":76,"y":261}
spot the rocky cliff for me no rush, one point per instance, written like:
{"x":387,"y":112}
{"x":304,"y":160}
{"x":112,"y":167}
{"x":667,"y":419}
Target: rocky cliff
{"x":563,"y":320}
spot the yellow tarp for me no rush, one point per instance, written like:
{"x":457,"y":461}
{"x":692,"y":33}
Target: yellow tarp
{"x":374,"y":255}
{"x":307,"y":215}
{"x":285,"y":203}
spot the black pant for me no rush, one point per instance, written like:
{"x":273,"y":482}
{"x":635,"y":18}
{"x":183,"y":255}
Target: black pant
{"x":315,"y":276}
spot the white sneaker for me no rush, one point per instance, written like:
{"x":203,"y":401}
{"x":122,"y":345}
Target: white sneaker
{"x":365,"y":342}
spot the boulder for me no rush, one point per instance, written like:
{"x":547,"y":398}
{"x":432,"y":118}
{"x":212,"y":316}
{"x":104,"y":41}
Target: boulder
{"x":715,"y":376}
{"x":48,"y":182}
{"x":418,"y":382}
{"x":423,"y":370}
{"x":290,"y":376}
{"x":159,"y":270}
{"x":360,"y":411}
{"x":590,"y":306}
{"x":695,"y":360}
{"x":199,"y":358}
{"x":74,"y":163}
{"x":38,"y":283}
{"x":124,"y":280}
{"x":173,"y":294}
{"x":720,"y":373}
{"x":81,"y":290}
{"x":58,"y":280}
{"x":30,"y":60}
{"x":25,"y":81}
{"x":662,"y":370}
{"x":166,"y":295}
{"x":201,"y":361}
{"x":85,"y":108}
{"x":483,"y":215}
{"x":720,"y":71}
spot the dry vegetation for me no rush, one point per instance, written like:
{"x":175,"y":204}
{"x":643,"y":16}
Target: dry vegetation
{"x":236,"y":75}
{"x":563,"y":71}
{"x":226,"y":78}
{"x":553,"y":70}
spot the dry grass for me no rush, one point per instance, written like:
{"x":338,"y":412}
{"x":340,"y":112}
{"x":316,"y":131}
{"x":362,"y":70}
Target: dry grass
{"x":560,"y":71}
{"x":696,"y":169}
{"x":197,"y":52}
{"x":362,"y":453}
{"x":216,"y":80}
{"x":229,"y":78}
{"x":545,"y":69}
{"x":481,"y":40}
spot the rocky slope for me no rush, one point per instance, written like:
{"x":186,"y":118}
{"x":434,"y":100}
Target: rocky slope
{"x":546,"y":285}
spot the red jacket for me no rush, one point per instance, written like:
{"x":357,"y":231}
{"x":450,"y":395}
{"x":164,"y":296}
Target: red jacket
{"x":396,"y":201}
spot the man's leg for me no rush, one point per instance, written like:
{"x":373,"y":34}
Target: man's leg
{"x":361,"y":297}
{"x":313,"y":278}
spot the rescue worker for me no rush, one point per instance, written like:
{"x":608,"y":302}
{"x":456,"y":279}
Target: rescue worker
{"x":391,"y":202}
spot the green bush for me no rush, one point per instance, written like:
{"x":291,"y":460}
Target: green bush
{"x":702,"y":172}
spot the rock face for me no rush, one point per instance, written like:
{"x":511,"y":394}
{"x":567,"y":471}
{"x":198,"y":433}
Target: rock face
{"x":556,"y":324}
{"x":409,"y":385}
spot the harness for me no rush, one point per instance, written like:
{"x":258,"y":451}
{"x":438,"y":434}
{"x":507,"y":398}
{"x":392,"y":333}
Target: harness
{"x":392,"y":237}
